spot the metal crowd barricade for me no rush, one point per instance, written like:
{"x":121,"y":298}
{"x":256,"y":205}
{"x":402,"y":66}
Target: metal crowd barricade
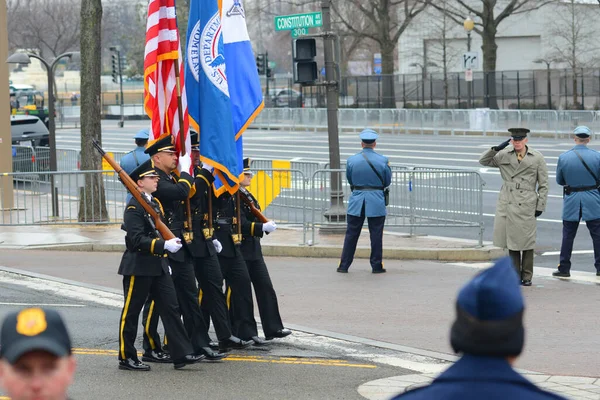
{"x":33,"y":201}
{"x":282,"y":195}
{"x":418,"y":198}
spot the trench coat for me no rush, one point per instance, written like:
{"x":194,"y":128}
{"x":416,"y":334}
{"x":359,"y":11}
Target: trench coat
{"x":476,"y":378}
{"x":524,"y":191}
{"x":570,"y":171}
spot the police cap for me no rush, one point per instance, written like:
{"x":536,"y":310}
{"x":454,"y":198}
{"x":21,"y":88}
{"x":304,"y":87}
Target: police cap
{"x":582,"y":132}
{"x":368,"y":136}
{"x":195,"y":139}
{"x":489,"y":313}
{"x":247,"y":163}
{"x":163,"y":143}
{"x":145,"y":169}
{"x":519,"y":133}
{"x":143,"y":134}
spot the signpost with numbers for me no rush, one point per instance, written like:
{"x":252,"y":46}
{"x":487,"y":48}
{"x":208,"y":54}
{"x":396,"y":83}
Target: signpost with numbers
{"x":295,"y":21}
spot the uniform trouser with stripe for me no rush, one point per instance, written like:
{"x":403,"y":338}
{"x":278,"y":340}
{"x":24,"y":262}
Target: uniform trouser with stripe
{"x":523,"y":262}
{"x":162,"y":290}
{"x":265,"y":296}
{"x":150,"y":327}
{"x":353,"y":230}
{"x":184,"y":280}
{"x":213,"y":301}
{"x":239,"y":292}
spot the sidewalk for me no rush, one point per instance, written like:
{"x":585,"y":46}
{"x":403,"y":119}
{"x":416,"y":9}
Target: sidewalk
{"x":285,"y":243}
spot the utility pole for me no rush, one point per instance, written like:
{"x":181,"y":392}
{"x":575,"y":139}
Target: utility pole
{"x":6,"y":181}
{"x":118,"y":75}
{"x":336,"y":211}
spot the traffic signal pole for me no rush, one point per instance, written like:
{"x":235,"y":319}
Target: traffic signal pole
{"x":336,"y":211}
{"x":267,"y":94}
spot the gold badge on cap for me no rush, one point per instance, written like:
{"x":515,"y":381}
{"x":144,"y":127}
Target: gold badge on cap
{"x":31,"y":322}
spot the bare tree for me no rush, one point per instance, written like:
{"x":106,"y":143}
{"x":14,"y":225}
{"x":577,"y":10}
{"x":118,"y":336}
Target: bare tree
{"x":488,"y":16}
{"x":50,"y":26}
{"x":92,"y":205}
{"x":575,"y":31}
{"x":439,"y":49}
{"x":386,"y":20}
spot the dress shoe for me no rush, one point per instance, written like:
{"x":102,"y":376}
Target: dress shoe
{"x":210,"y":354}
{"x":258,"y":341}
{"x":133,"y":365}
{"x":156,"y":357}
{"x":213,"y":344}
{"x":281,"y":333}
{"x":526,"y":283}
{"x":561,"y":274}
{"x":187,"y":360}
{"x":342,"y":270}
{"x":379,"y":271}
{"x":233,"y":343}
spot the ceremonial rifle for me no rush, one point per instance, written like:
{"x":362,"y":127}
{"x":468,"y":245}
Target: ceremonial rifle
{"x":161,"y":227}
{"x":245,"y":196}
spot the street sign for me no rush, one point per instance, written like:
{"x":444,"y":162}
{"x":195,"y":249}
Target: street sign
{"x":470,"y":60}
{"x":469,"y":75}
{"x":377,"y":63}
{"x":297,"y":32}
{"x":308,"y":20}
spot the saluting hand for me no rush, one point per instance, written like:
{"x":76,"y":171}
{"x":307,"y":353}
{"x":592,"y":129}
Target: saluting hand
{"x":501,"y":145}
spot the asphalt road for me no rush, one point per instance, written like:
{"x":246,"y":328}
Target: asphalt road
{"x":282,"y":371}
{"x":418,"y":150}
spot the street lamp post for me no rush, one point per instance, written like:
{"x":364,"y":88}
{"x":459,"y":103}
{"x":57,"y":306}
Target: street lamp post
{"x":423,"y":77}
{"x":25,"y":58}
{"x":469,"y":24}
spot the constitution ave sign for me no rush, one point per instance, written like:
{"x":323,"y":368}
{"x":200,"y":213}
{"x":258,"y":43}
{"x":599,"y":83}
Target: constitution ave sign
{"x":308,"y":20}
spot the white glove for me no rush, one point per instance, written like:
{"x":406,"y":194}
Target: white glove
{"x":207,"y":167}
{"x":269,"y":227}
{"x":173,"y":245}
{"x":218,"y":245}
{"x":185,"y":162}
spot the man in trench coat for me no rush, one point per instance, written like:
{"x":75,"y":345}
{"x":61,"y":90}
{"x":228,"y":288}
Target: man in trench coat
{"x":522,"y":198}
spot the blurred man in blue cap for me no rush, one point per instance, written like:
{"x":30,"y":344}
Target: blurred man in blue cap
{"x":489,"y":333}
{"x":369,"y":176}
{"x":136,"y":157}
{"x":578,"y":171}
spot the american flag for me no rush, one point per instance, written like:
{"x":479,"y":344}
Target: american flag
{"x":160,"y":83}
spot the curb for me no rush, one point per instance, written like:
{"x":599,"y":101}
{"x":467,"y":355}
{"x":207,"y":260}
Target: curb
{"x":486,"y":253}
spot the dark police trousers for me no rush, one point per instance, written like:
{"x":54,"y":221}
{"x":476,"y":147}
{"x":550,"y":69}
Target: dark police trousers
{"x":265,"y":296}
{"x":355,"y":225}
{"x":569,"y":232}
{"x":162,"y":290}
{"x":184,"y":280}
{"x":212,"y":297}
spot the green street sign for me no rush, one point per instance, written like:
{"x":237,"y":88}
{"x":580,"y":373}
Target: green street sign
{"x":272,"y":64}
{"x":297,"y":32}
{"x":308,"y":20}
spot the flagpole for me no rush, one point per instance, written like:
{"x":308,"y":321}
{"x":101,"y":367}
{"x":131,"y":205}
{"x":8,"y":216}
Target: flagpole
{"x":188,"y":235}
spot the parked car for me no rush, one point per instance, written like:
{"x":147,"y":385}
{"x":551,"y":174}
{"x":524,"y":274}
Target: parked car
{"x":285,"y":97}
{"x":30,"y":129}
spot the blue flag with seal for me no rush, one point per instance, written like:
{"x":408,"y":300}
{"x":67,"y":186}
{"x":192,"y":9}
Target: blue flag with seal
{"x":207,"y":88}
{"x":244,"y":84}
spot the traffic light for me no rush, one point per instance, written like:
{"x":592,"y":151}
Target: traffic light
{"x":261,"y":64}
{"x":305,"y":66}
{"x":269,"y":73}
{"x":115,"y":68}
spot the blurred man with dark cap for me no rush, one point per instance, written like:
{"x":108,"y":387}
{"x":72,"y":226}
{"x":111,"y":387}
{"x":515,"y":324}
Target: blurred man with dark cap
{"x":35,"y":355}
{"x":578,"y":171}
{"x":369,"y":176}
{"x":489,"y":333}
{"x":522,"y":198}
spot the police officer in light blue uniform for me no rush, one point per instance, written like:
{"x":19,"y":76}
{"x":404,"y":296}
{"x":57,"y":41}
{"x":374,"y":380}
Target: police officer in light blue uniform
{"x":136,"y":157}
{"x":368,"y":174}
{"x":581,"y":198}
{"x":489,"y":333}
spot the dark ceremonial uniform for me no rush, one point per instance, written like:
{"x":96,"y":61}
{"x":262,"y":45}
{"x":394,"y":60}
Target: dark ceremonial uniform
{"x":259,"y":274}
{"x":171,"y":192}
{"x":206,"y":261}
{"x":234,"y":269}
{"x":145,"y":271}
